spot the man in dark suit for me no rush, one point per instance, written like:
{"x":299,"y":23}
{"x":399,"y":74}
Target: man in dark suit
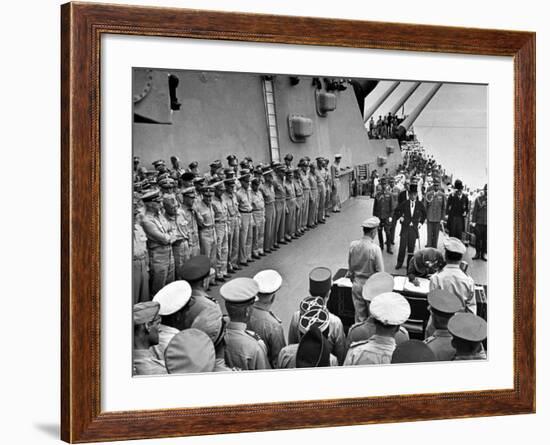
{"x":412,"y":214}
{"x":457,"y":209}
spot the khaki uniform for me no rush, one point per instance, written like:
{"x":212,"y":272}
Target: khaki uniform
{"x":377,"y":350}
{"x":244,"y":349}
{"x":366,"y":329}
{"x":234,"y":225}
{"x":299,"y":191}
{"x":335,"y":173}
{"x":322,"y":189}
{"x":221,"y":224}
{"x":435,"y":213}
{"x":290,"y":203}
{"x":280,"y":217}
{"x":207,"y":230}
{"x":258,"y":219}
{"x":383,"y":209}
{"x":270,"y":328}
{"x":145,"y":363}
{"x":198,"y":302}
{"x":313,"y":200}
{"x":244,"y":198}
{"x":180,"y":246}
{"x":159,"y":245}
{"x":481,"y":355}
{"x":140,"y":266}
{"x":287,"y":357}
{"x":364,"y":259}
{"x":268,"y":194}
{"x":193,"y":230}
{"x":166,"y":334}
{"x":440,"y":344}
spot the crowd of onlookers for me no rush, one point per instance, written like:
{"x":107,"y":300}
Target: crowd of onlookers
{"x":385,"y":127}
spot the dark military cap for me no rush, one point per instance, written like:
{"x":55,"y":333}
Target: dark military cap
{"x":313,"y":350}
{"x":187,"y":176}
{"x":167,"y":183}
{"x":196,"y":268}
{"x":193,"y":164}
{"x":229,"y":181}
{"x":153,"y":195}
{"x":289,"y":157}
{"x":216,"y":164}
{"x":243,"y":163}
{"x":302,"y":162}
{"x":468,"y":327}
{"x":163,"y":176}
{"x":231,"y":158}
{"x":199,"y":181}
{"x":458,"y":184}
{"x":207,"y":189}
{"x":228,"y":172}
{"x":174,"y":159}
{"x":445,"y":302}
{"x":248,"y":158}
{"x":413,"y":187}
{"x":412,"y":351}
{"x":218,"y":184}
{"x":159,"y":162}
{"x":245,"y":174}
{"x":320,"y":281}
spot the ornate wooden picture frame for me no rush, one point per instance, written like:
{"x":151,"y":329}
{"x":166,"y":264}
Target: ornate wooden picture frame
{"x":82,"y":26}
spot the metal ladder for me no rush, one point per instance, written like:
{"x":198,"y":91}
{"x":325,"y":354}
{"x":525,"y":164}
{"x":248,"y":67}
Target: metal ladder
{"x":271,"y":118}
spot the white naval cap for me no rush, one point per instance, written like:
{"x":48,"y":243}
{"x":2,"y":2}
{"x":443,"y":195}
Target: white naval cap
{"x":390,"y":308}
{"x":269,"y":281}
{"x":378,"y":283}
{"x":240,"y":291}
{"x":371,"y":223}
{"x":453,"y":244}
{"x":173,"y":297}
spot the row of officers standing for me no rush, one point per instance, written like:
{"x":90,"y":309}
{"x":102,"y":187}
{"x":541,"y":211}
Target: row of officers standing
{"x":393,"y":205}
{"x":231,"y":216}
{"x":183,"y":330}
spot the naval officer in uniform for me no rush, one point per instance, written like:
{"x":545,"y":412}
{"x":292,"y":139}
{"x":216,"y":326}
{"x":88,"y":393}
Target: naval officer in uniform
{"x":244,"y":349}
{"x":364,"y":259}
{"x":442,"y":305}
{"x":146,"y":321}
{"x":468,"y":331}
{"x":389,"y":310}
{"x":262,"y":320}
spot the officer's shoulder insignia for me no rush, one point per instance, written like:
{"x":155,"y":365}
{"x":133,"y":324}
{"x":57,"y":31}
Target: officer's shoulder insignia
{"x":253,"y":335}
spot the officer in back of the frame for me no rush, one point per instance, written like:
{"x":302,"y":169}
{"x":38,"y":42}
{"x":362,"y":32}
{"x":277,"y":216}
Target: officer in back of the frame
{"x":468,"y":331}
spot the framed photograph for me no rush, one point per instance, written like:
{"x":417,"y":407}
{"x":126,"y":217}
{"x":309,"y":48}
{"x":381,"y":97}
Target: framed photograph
{"x":248,"y":198}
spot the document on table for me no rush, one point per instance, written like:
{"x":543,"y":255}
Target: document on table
{"x":402,"y":284}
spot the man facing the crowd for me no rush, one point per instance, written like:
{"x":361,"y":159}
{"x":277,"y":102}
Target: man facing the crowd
{"x":436,"y":204}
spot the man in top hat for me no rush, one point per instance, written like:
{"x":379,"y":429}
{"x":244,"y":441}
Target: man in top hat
{"x":197,"y":273}
{"x":453,"y":278}
{"x":262,"y":320}
{"x":188,"y":198}
{"x":442,"y":305}
{"x":479,"y":222}
{"x":280,"y":208}
{"x":389,"y":310}
{"x":320,"y":284}
{"x":190,"y":351}
{"x":140,"y":259}
{"x":457,"y":209}
{"x":234,"y":224}
{"x":468,"y":331}
{"x":299,"y":192}
{"x":304,"y":179}
{"x":244,"y":199}
{"x":221,"y":225}
{"x":436,"y":205}
{"x":412,"y":351}
{"x":288,"y":160}
{"x":204,"y":212}
{"x":378,"y":283}
{"x":320,"y":176}
{"x":268,"y":193}
{"x":146,"y":321}
{"x":411,"y":214}
{"x":180,"y":230}
{"x":313,"y":197}
{"x":290,"y":204}
{"x":317,"y":319}
{"x":193,"y":167}
{"x":258,"y":218}
{"x":172,"y":299}
{"x":424,"y":263}
{"x":211,"y":321}
{"x":159,"y":242}
{"x":244,"y":349}
{"x":335,"y":174}
{"x":383,"y":209}
{"x":364,"y":259}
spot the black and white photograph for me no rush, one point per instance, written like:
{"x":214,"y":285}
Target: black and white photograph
{"x":288,"y":221}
